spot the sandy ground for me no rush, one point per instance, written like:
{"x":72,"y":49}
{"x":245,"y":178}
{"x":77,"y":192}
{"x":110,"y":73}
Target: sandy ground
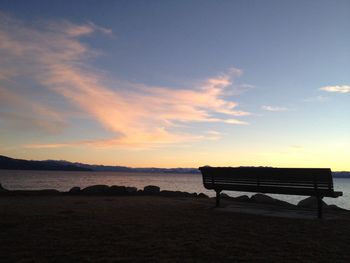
{"x":160,"y":229}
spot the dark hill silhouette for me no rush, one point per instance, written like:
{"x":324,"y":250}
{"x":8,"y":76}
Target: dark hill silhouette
{"x":19,"y":164}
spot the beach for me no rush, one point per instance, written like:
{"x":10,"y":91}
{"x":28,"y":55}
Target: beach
{"x":160,"y":229}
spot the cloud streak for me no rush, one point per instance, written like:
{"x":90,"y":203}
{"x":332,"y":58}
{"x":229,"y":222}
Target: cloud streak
{"x":337,"y":89}
{"x":23,"y":113}
{"x":318,"y":98}
{"x":274,"y":108}
{"x":52,"y":56}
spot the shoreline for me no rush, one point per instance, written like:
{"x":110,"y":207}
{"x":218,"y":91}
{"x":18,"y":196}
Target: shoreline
{"x":152,"y":190}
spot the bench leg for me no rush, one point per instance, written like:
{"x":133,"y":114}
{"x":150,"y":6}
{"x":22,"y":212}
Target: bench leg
{"x":319,"y":206}
{"x":217,"y":198}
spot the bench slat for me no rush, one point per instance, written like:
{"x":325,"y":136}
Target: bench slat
{"x":262,"y":181}
{"x":302,"y":174}
{"x":275,"y":190}
{"x":310,"y":184}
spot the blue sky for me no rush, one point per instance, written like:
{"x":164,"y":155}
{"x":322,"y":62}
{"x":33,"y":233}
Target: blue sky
{"x":177,"y":83}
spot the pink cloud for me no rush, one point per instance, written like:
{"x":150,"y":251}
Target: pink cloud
{"x":139,"y":115}
{"x":27,"y":114}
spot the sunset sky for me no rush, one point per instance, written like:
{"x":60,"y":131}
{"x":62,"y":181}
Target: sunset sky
{"x":176,"y":83}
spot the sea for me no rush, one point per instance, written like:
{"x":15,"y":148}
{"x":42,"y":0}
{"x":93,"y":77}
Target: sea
{"x":192,"y":183}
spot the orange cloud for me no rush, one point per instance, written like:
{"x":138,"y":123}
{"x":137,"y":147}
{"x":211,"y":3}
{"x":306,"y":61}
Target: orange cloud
{"x":138,"y":115}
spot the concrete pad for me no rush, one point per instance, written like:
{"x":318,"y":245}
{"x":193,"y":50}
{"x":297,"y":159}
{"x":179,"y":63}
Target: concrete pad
{"x":278,"y":211}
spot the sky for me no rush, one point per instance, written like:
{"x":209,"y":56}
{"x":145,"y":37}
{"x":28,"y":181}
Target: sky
{"x":176,"y":83}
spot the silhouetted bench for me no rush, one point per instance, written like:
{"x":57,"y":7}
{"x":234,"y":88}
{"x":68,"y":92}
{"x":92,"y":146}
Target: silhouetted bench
{"x":316,"y":182}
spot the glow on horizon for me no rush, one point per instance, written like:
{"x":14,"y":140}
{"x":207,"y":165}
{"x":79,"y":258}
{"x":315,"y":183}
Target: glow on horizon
{"x":59,"y":99}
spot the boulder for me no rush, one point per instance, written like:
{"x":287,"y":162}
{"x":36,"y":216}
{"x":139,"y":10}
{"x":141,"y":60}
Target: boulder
{"x":74,"y":190}
{"x":265,"y":199}
{"x":335,"y":207}
{"x":131,"y":190}
{"x":177,"y":194}
{"x":242,"y":198}
{"x":187,"y":194}
{"x":151,"y":190}
{"x":47,"y":192}
{"x":43,"y":192}
{"x":96,"y":190}
{"x":201,"y":195}
{"x":117,"y":190}
{"x":310,"y":202}
{"x":171,"y":193}
{"x":261,"y":198}
{"x":225,"y":196}
{"x":2,"y":190}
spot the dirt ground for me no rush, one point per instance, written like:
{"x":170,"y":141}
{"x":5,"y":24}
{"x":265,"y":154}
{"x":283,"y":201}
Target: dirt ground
{"x":159,"y":229}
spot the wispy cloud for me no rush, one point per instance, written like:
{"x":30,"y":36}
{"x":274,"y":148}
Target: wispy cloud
{"x":337,"y":89}
{"x":52,"y":56}
{"x":23,"y":113}
{"x":318,"y":98}
{"x":274,"y":108}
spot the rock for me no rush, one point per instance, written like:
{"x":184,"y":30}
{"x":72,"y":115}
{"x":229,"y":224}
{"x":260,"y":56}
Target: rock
{"x":117,"y":190}
{"x":44,"y":192}
{"x":265,"y":199}
{"x":187,"y":194}
{"x":172,"y":193}
{"x":310,"y":202}
{"x":2,"y":190}
{"x":242,"y":198}
{"x":201,"y":195}
{"x":177,"y":194}
{"x":47,"y":192}
{"x":261,"y":198}
{"x":96,"y":190}
{"x":74,"y":190}
{"x":131,"y":190}
{"x":225,"y":196}
{"x":151,"y":190}
{"x":335,"y":207}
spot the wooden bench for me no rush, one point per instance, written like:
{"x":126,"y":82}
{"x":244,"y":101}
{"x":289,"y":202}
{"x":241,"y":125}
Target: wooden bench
{"x":316,"y":182}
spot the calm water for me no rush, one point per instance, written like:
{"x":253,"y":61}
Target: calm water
{"x":63,"y":181}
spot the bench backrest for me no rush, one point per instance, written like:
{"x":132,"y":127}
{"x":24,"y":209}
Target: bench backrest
{"x":299,"y":181}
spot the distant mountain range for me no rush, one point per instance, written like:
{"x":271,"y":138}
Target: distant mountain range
{"x":54,"y":165}
{"x":342,"y":174}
